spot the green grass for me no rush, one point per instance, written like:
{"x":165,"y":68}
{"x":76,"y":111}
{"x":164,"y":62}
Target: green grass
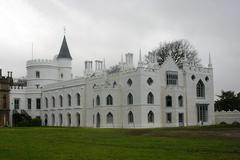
{"x":85,"y":143}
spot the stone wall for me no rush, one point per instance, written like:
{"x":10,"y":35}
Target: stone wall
{"x":227,"y":116}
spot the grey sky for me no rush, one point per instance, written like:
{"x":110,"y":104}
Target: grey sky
{"x":100,"y":29}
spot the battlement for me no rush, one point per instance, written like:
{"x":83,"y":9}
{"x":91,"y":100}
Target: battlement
{"x":41,"y":62}
{"x":198,"y":69}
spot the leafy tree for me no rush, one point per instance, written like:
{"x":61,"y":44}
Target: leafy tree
{"x":177,"y":49}
{"x":228,"y":101}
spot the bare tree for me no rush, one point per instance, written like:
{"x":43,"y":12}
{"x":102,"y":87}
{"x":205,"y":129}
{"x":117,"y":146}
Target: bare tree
{"x":177,"y":49}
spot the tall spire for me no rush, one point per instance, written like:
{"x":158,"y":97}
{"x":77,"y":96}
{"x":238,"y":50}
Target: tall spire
{"x":209,"y":61}
{"x":64,"y":51}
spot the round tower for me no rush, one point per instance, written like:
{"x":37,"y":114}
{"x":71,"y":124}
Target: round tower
{"x":41,"y":72}
{"x":64,"y":61}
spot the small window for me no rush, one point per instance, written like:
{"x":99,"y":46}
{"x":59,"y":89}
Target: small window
{"x":130,"y":99}
{"x":37,"y":74}
{"x":16,"y":103}
{"x":114,"y":84}
{"x":193,"y":77}
{"x":172,"y":77}
{"x":180,"y":101}
{"x":150,"y":81}
{"x":29,"y":102}
{"x":168,"y":101}
{"x":150,"y":117}
{"x":130,"y":117}
{"x":129,"y":82}
{"x":109,"y":118}
{"x":98,"y":100}
{"x":61,"y":76}
{"x":206,"y":78}
{"x":169,"y":118}
{"x":109,"y":100}
{"x":38,"y":103}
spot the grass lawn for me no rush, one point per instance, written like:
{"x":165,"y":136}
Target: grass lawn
{"x":214,"y":142}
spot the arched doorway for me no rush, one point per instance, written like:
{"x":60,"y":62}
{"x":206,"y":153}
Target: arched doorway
{"x":98,"y":120}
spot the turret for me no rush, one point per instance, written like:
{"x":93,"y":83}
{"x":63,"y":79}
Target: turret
{"x":209,"y":62}
{"x":64,"y":60}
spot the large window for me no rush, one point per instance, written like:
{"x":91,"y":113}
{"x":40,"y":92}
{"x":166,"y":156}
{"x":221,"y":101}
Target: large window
{"x":130,"y":117}
{"x":109,"y":100}
{"x":109,"y":118}
{"x":38,"y":103}
{"x":169,"y":117}
{"x":150,"y":98}
{"x":16,"y":103}
{"x":29,"y":103}
{"x":202,"y":112}
{"x":150,"y":117}
{"x":172,"y":77}
{"x":130,"y":98}
{"x":180,"y":101}
{"x":98,"y":102}
{"x":69,"y":100}
{"x":168,"y":101}
{"x":78,"y":99}
{"x":200,"y":88}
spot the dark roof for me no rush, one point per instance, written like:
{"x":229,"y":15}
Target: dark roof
{"x":64,"y":51}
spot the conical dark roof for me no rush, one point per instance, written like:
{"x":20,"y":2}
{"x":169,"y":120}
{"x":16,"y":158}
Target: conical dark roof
{"x":64,"y":51}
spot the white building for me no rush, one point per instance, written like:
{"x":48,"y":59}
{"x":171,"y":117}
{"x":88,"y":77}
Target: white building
{"x":127,"y":97}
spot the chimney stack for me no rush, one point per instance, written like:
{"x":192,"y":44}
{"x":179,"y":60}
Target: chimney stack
{"x":88,"y":68}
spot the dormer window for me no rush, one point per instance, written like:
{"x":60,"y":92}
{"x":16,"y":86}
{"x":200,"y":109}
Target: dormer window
{"x":172,"y":77}
{"x":37,"y":74}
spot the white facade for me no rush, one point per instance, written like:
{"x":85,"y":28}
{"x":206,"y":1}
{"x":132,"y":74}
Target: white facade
{"x":146,"y":96}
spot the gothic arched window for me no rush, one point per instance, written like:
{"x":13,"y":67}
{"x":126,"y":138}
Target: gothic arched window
{"x":129,"y":82}
{"x":200,"y":89}
{"x":180,"y":101}
{"x":46,"y":102}
{"x":61,"y":100}
{"x":98,"y":100}
{"x":109,"y":118}
{"x":109,"y":100}
{"x":78,"y":99}
{"x":69,"y":100}
{"x":130,"y":99}
{"x":150,"y":98}
{"x":53,"y":102}
{"x":150,"y":117}
{"x":130,"y":117}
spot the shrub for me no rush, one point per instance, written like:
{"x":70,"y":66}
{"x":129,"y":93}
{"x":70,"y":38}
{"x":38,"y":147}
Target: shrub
{"x":235,"y":123}
{"x":223,"y":123}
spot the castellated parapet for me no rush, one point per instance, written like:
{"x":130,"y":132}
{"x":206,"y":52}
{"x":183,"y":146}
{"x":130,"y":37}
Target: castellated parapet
{"x":37,"y":62}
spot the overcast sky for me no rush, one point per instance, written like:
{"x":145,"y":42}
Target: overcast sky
{"x":100,"y":29}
